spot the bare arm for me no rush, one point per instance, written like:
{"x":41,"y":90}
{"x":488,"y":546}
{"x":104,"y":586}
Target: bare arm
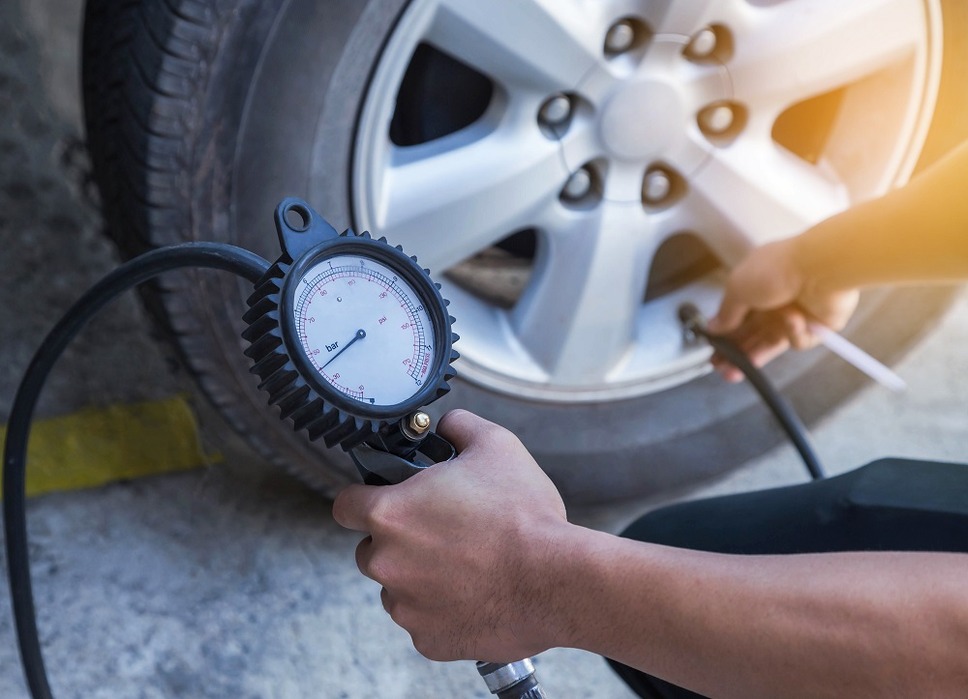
{"x":826,"y":625}
{"x":478,"y":561}
{"x":915,"y":234}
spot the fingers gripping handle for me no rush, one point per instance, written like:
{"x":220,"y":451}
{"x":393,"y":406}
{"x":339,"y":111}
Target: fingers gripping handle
{"x":379,"y":467}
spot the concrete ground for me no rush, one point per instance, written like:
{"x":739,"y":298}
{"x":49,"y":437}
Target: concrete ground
{"x":233,"y":580}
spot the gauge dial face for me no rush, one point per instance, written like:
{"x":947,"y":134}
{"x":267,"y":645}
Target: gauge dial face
{"x":364,"y":329}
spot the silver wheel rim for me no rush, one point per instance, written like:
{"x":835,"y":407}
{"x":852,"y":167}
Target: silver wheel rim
{"x":580,"y":330}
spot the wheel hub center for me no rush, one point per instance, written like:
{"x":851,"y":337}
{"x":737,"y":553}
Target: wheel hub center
{"x":640,"y":119}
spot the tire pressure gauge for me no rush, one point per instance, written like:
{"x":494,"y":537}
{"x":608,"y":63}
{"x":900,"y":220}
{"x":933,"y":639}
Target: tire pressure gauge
{"x":349,"y":335}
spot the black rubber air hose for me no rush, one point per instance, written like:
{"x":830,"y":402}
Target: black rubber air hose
{"x":693,"y":321}
{"x":219,"y":256}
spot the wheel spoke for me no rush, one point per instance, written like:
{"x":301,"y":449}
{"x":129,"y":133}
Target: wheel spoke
{"x":677,"y":17}
{"x":577,"y":317}
{"x":448,"y":199}
{"x":542,"y":45}
{"x":736,"y":207}
{"x":802,"y":48}
{"x":677,"y":133}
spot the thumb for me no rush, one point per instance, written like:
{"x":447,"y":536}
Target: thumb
{"x":462,"y":428}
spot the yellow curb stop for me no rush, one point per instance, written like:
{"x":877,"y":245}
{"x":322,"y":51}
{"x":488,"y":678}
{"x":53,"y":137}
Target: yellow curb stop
{"x":94,"y":446}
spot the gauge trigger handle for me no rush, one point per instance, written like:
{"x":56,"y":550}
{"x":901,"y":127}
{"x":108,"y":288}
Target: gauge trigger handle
{"x":379,"y":467}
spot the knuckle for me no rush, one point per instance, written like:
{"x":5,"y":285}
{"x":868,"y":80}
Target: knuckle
{"x":401,"y":614}
{"x":397,"y":611}
{"x":496,"y":434}
{"x":796,"y":330}
{"x":363,"y":555}
{"x":388,"y":602}
{"x":376,"y":564}
{"x":380,"y":570}
{"x":340,"y":508}
{"x":792,"y":322}
{"x":380,"y":516}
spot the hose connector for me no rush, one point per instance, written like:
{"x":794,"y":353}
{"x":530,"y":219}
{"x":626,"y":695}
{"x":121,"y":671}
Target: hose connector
{"x":693,"y":323}
{"x":694,"y":328}
{"x":512,"y":680}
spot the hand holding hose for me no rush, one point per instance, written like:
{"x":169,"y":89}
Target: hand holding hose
{"x":770,"y":303}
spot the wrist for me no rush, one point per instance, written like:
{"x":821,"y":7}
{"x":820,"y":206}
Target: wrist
{"x":551,"y":569}
{"x":575,"y":568}
{"x":811,"y":264}
{"x":831,"y":256}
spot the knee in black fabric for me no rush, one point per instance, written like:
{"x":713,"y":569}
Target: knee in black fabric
{"x":910,"y":505}
{"x":889,"y":504}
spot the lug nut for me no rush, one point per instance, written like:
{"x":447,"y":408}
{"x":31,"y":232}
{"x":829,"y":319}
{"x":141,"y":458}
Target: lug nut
{"x":656,"y":187}
{"x":619,"y":38}
{"x":717,"y":119}
{"x":703,"y":44}
{"x":555,"y":111}
{"x":578,"y":185}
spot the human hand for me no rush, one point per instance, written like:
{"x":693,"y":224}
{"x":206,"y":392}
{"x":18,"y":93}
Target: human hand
{"x":460,"y":547}
{"x":769,"y":305}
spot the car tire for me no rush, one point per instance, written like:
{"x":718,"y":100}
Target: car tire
{"x":203,"y":114}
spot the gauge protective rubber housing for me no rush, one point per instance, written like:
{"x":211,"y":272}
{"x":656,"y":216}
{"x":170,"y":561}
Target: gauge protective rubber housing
{"x":279,"y":358}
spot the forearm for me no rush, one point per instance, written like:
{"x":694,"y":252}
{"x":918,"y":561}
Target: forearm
{"x":917,"y":233}
{"x":821,"y":625}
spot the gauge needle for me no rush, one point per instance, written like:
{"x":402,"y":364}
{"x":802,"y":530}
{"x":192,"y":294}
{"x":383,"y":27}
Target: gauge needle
{"x":360,"y":334}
